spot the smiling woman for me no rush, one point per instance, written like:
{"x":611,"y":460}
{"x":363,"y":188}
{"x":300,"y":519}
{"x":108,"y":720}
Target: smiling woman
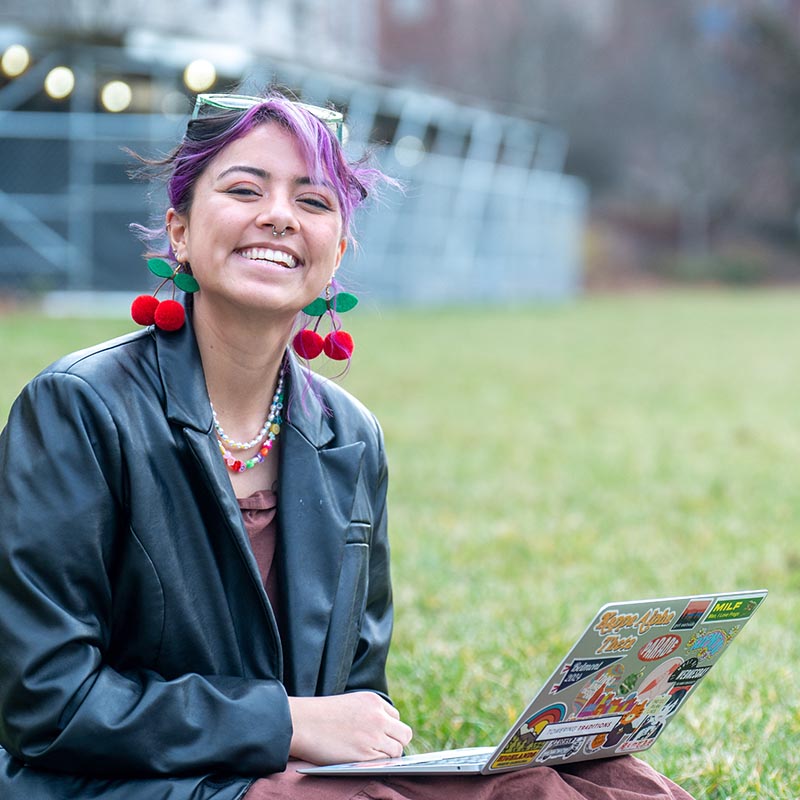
{"x":194,"y":560}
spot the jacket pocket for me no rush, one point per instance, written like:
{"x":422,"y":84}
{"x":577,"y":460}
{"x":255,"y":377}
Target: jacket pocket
{"x":348,"y":610}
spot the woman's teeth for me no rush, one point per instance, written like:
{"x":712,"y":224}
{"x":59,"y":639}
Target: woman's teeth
{"x":265,"y":254}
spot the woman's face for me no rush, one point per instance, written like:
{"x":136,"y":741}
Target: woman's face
{"x":257,"y":184}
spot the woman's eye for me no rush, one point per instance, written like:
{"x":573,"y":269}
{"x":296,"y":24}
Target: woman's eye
{"x":243,"y":190}
{"x":316,"y":202}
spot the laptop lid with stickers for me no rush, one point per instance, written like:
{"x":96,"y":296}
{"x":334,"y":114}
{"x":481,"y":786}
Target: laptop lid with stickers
{"x":615,"y":692}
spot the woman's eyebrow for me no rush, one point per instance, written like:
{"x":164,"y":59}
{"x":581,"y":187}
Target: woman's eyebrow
{"x":264,"y":175}
{"x":259,"y":173}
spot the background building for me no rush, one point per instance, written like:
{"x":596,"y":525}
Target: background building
{"x":487,"y":212}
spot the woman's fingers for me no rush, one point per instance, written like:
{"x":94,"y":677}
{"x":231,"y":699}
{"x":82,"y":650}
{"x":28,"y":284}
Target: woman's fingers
{"x":349,"y":727}
{"x":398,"y":735}
{"x":400,"y":732}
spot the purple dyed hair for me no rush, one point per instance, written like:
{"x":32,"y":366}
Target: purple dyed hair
{"x":207,"y":135}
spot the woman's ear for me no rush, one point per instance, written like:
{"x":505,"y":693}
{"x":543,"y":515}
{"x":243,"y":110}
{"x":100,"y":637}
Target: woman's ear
{"x":178,"y":233}
{"x":339,"y":253}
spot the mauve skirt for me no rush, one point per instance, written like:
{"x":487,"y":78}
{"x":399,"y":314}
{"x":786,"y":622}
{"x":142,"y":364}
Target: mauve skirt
{"x":620,"y":778}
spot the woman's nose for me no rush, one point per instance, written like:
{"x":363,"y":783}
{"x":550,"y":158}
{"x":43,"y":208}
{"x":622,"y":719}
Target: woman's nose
{"x":277,"y":213}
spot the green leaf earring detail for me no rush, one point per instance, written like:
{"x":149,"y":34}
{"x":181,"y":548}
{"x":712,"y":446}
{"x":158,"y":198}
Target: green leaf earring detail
{"x":168,"y":315}
{"x":338,"y":344}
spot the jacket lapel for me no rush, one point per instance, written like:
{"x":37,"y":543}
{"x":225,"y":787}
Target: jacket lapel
{"x":316,"y":496}
{"x":187,"y":405}
{"x":317,"y":489}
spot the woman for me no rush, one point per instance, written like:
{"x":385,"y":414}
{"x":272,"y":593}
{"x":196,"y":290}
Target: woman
{"x":189,"y":608}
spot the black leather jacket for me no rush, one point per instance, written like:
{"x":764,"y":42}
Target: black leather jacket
{"x":139,"y":654}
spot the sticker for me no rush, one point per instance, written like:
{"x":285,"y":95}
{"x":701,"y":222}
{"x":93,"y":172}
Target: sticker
{"x":657,"y":681}
{"x":579,"y":727}
{"x":532,"y":727}
{"x":560,"y":748}
{"x":733,"y":608}
{"x":518,"y":758}
{"x":633,"y":745}
{"x":614,"y":622}
{"x":627,"y":724}
{"x":691,"y":615}
{"x":594,"y":743}
{"x":655,"y":704}
{"x":581,"y":668}
{"x":606,"y":679}
{"x":707,"y":644}
{"x":655,"y":618}
{"x":676,"y":697}
{"x":688,"y":673}
{"x":660,"y":647}
{"x":627,"y":686}
{"x":605,"y":702}
{"x":614,"y":643}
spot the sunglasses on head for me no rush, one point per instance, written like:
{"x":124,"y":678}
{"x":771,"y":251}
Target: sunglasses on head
{"x":334,"y":120}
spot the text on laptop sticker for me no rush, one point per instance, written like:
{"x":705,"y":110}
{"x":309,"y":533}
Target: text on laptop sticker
{"x":613,"y":623}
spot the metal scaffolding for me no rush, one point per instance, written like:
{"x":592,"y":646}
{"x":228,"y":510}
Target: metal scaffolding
{"x":487,"y":213}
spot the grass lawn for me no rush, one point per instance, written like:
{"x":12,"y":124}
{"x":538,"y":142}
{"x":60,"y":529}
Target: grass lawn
{"x":547,"y":459}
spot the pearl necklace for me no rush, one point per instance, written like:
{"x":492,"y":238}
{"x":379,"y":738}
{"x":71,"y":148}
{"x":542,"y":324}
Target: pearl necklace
{"x":265,"y":437}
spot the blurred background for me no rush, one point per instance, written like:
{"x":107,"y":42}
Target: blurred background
{"x":571,"y":146}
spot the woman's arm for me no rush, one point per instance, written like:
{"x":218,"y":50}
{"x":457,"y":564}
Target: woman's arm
{"x":62,"y":706}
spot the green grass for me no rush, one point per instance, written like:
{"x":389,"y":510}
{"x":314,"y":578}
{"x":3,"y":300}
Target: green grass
{"x":547,"y":459}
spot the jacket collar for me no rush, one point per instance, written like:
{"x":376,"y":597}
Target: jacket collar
{"x":186,"y":395}
{"x":182,"y":378}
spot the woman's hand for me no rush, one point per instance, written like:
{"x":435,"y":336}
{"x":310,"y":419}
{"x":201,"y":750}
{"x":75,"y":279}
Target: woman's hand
{"x":358,"y":726}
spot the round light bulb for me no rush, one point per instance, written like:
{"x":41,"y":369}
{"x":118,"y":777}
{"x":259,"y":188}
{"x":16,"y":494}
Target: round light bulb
{"x":199,"y":75}
{"x":409,"y":151}
{"x":59,"y":83}
{"x":15,"y":61}
{"x":116,"y":96}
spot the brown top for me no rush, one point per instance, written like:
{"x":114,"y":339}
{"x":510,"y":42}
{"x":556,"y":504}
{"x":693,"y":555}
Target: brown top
{"x":259,"y":514}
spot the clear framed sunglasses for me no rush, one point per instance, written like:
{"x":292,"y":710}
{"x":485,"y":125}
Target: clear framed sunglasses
{"x":240,"y":102}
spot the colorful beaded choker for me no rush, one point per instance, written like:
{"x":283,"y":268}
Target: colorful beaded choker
{"x":265,"y":438}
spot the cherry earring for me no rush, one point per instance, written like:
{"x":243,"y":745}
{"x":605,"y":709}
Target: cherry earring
{"x":167,"y":315}
{"x":338,"y":344}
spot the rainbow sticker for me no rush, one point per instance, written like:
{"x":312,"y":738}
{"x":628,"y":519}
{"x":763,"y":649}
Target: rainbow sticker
{"x":538,"y":722}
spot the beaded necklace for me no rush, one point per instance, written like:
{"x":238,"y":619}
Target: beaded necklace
{"x":264,"y":438}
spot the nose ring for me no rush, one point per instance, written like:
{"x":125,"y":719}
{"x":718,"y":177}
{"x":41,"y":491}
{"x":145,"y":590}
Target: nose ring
{"x":276,"y":233}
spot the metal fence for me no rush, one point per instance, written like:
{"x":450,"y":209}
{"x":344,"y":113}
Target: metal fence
{"x":486,"y":213}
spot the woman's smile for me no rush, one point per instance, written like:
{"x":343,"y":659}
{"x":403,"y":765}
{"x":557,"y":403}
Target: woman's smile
{"x":274,"y":256}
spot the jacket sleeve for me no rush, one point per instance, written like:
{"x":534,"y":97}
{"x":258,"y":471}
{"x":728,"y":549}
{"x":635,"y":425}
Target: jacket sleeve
{"x":368,"y":670}
{"x":62,"y":706}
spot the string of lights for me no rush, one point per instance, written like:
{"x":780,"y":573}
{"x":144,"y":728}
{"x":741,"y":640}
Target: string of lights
{"x":115,"y":95}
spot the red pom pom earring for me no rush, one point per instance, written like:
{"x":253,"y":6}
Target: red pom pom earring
{"x":167,"y":315}
{"x":338,"y":344}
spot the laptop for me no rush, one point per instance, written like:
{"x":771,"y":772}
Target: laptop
{"x":615,"y":692}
